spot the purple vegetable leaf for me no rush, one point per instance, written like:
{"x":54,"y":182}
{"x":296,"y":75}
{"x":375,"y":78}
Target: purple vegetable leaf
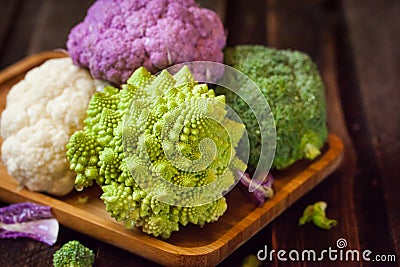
{"x":28,"y":220}
{"x":263,"y":187}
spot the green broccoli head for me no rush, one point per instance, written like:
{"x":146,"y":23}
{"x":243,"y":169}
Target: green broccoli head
{"x":291,"y":83}
{"x":73,"y":254}
{"x":157,"y":133}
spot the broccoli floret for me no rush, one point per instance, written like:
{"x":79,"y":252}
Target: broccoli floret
{"x":154,"y":132}
{"x":73,"y":254}
{"x":316,"y":213}
{"x":291,"y":83}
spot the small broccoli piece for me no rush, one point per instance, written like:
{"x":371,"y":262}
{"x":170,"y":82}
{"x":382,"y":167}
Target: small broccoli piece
{"x":73,"y":254}
{"x":316,"y":214}
{"x":295,"y":92}
{"x":251,"y":261}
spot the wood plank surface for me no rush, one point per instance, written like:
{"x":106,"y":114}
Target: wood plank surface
{"x":55,"y":20}
{"x":375,"y":46}
{"x":17,"y":40}
{"x":7,"y":13}
{"x":286,"y":19}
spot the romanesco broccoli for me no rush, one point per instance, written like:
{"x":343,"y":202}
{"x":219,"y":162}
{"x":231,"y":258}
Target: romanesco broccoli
{"x":73,"y":254}
{"x":295,"y":92}
{"x":164,"y":126}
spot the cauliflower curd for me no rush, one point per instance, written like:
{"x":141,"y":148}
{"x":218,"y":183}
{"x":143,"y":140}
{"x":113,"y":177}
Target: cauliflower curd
{"x":41,"y":113}
{"x":119,"y":36}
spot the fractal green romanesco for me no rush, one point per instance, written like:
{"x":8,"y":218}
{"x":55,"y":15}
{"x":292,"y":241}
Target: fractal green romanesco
{"x":128,"y":137}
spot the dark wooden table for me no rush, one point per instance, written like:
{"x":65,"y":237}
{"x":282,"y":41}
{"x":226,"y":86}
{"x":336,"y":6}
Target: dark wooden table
{"x":356,"y":46}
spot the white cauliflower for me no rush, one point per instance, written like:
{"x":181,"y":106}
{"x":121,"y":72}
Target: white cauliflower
{"x":42,"y":112}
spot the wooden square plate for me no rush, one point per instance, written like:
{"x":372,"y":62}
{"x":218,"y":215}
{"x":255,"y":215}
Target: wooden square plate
{"x":191,"y":246}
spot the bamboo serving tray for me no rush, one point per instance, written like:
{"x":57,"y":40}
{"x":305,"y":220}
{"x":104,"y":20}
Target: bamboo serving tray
{"x":191,"y":246}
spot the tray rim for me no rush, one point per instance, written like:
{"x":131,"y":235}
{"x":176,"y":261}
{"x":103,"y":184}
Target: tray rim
{"x":209,"y":254}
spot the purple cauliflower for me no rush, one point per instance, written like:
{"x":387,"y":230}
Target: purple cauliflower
{"x":118,"y":36}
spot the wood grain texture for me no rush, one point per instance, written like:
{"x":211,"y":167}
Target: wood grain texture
{"x":208,"y":245}
{"x":375,"y":47}
{"x":284,"y":20}
{"x":6,"y":18}
{"x":17,"y":38}
{"x":55,"y":20}
{"x":219,"y":6}
{"x":245,"y":22}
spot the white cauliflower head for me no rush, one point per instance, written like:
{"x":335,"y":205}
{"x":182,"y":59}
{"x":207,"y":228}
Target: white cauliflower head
{"x":41,"y":113}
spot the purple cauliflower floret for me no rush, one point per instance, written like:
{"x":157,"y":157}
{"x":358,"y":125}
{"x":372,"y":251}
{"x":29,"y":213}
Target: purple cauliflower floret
{"x":118,"y":36}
